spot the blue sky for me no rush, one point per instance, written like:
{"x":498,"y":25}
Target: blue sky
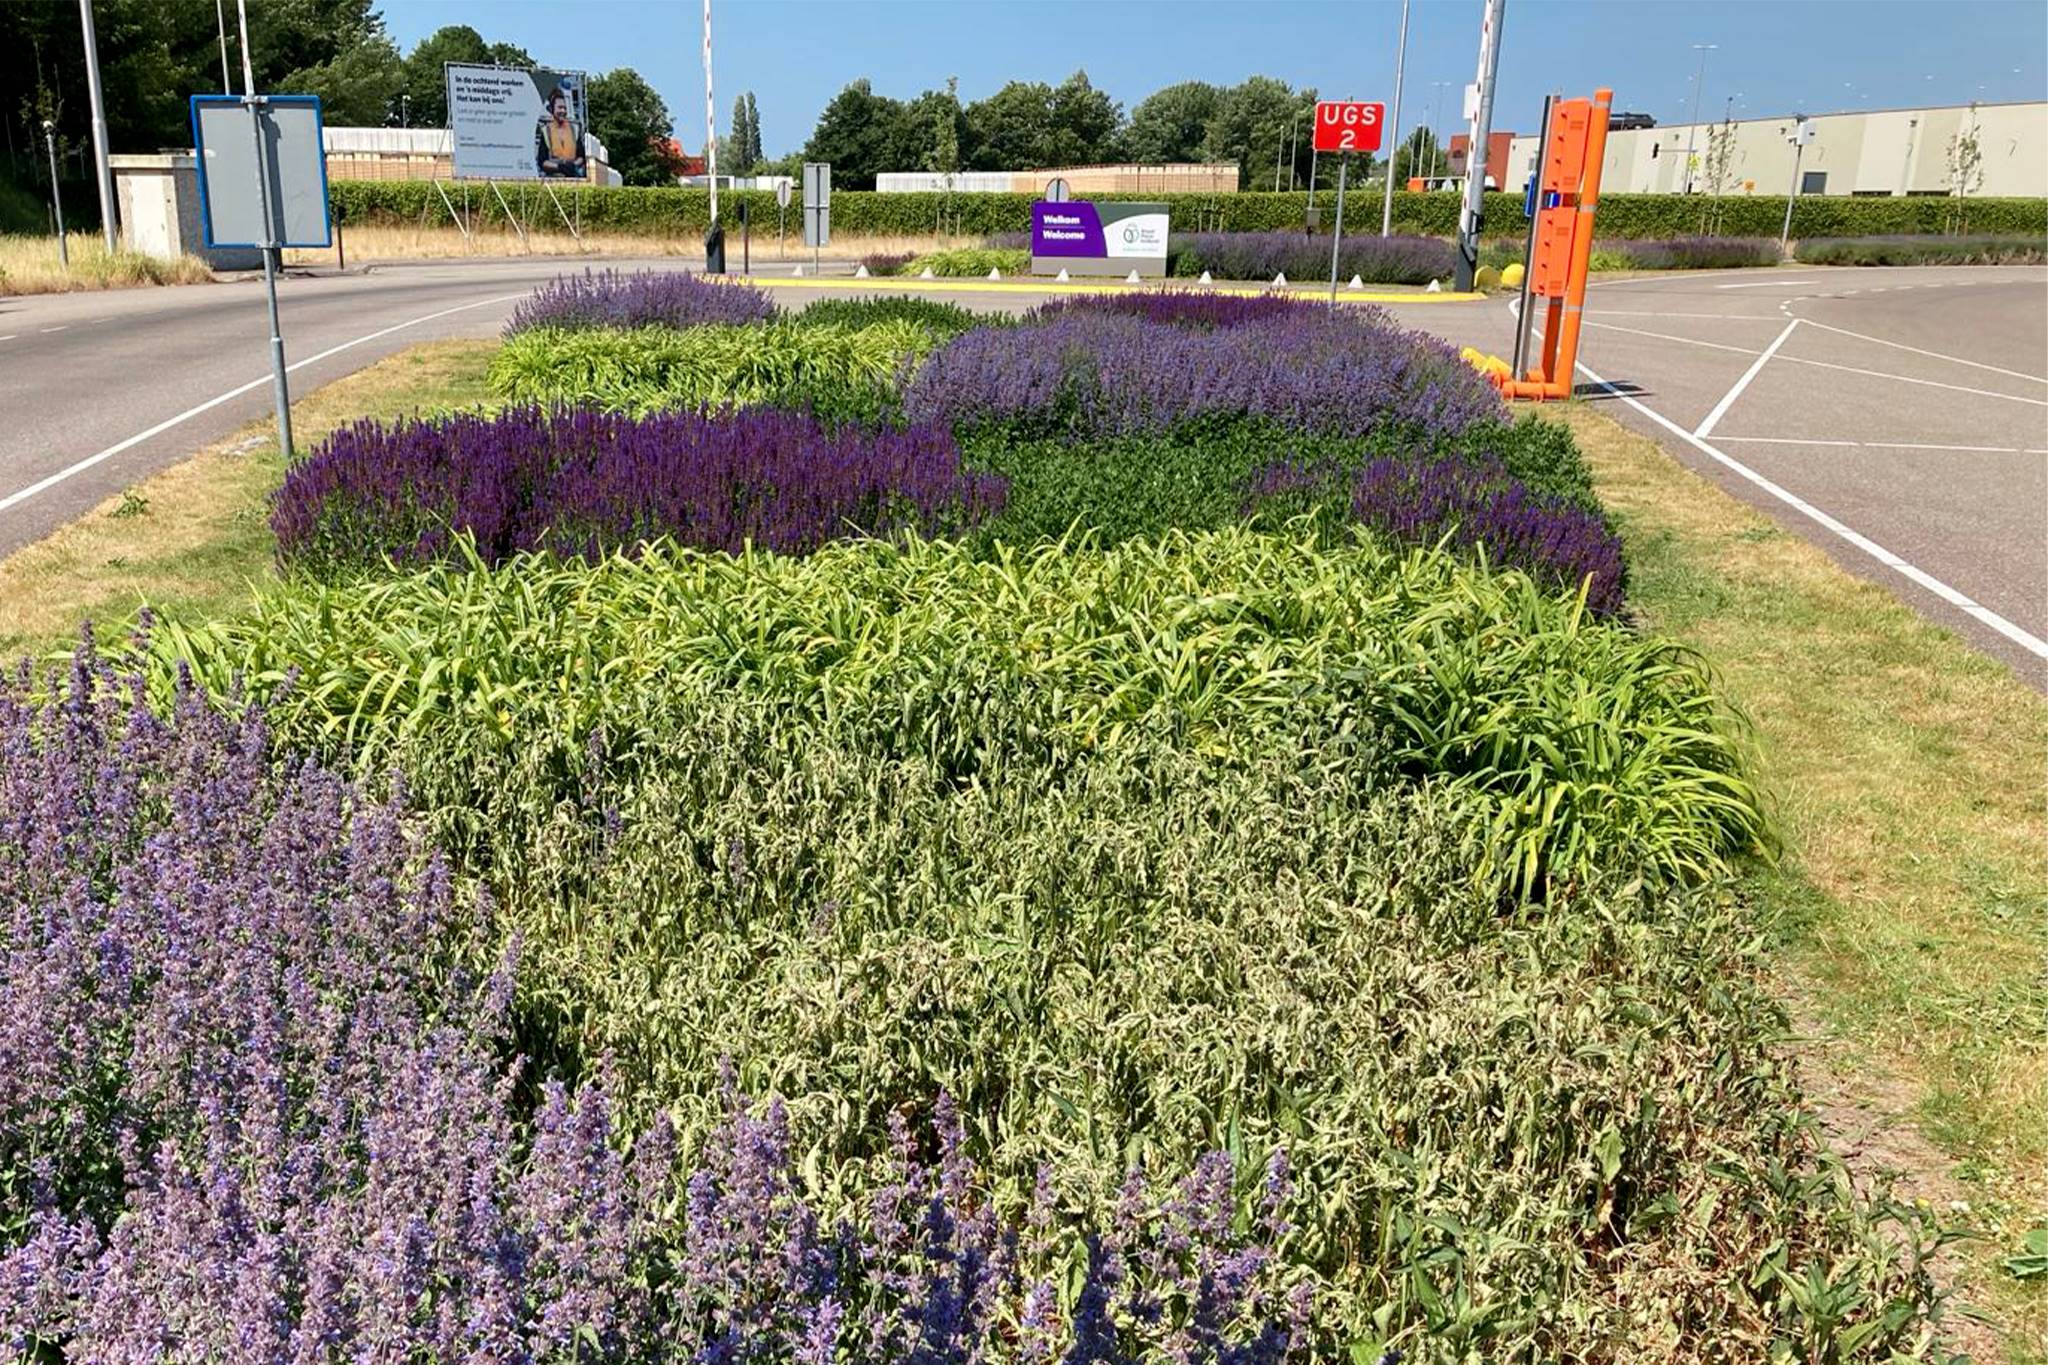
{"x":1818,"y":56}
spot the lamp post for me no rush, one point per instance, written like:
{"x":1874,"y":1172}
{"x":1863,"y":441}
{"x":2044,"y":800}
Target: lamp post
{"x":1400,"y":66}
{"x":1699,"y":84}
{"x":1437,"y":164}
{"x":56,"y":193}
{"x":99,"y":123}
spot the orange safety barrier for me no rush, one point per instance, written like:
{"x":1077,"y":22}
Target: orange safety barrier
{"x":1564,"y":242}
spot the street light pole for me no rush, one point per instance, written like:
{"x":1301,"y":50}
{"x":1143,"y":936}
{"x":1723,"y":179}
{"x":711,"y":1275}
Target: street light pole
{"x":280,"y":385}
{"x":99,"y":123}
{"x":56,"y":193}
{"x":1400,"y":68}
{"x":1699,"y":84}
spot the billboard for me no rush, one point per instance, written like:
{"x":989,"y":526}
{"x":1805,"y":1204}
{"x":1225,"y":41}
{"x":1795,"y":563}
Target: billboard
{"x":511,"y":123}
{"x":231,"y":182}
{"x":1084,"y":238}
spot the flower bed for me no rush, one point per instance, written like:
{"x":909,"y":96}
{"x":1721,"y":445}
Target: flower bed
{"x":1978,"y":249}
{"x":1300,"y":256}
{"x":585,"y":484}
{"x":1350,"y":373}
{"x":651,"y":298}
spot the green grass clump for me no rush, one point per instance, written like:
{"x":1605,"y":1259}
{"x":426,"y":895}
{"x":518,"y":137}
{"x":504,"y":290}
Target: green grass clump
{"x":1922,"y":250}
{"x":842,"y":371}
{"x":1580,"y":745}
{"x":943,"y":320}
{"x":970,"y":261}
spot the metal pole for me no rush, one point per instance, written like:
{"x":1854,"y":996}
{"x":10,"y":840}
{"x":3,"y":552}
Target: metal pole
{"x":1278,"y":147}
{"x":710,"y":119}
{"x":56,"y":194}
{"x":1337,"y":236}
{"x":1473,"y":215}
{"x":280,"y":387}
{"x":1798,"y":154}
{"x":220,"y":23}
{"x":1400,"y":69}
{"x":99,"y":124}
{"x":1699,"y":83}
{"x":1529,"y":252}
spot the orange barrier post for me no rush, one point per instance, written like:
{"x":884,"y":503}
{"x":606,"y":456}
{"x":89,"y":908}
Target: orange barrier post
{"x":1564,"y":242}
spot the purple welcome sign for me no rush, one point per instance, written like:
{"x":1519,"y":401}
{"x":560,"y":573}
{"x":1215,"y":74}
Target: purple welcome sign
{"x":1086,"y":238}
{"x":1066,"y":228}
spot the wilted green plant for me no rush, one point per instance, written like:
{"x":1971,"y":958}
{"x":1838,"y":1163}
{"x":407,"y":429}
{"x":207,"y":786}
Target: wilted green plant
{"x":646,"y":369}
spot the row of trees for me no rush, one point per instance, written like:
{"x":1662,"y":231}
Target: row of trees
{"x":1261,"y":125}
{"x":156,"y":53}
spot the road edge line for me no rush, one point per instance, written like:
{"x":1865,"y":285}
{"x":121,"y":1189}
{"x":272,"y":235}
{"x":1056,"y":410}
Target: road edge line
{"x":2033,"y":644}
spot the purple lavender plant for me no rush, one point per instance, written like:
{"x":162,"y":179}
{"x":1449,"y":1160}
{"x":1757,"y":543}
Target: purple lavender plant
{"x":611,"y":298}
{"x":1185,"y":307}
{"x":1262,"y":255}
{"x":1349,"y":373}
{"x":586,"y":483}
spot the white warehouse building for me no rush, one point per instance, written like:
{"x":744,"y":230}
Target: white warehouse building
{"x":1861,"y":152}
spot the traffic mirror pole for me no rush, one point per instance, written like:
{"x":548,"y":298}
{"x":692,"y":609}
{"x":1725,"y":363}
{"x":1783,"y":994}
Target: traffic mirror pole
{"x":1337,"y":237}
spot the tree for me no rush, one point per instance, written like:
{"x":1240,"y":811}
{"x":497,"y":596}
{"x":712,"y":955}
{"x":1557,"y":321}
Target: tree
{"x":1170,"y":125}
{"x":633,"y":123}
{"x":1086,"y":124}
{"x":355,"y":87}
{"x":1254,"y":123}
{"x":754,"y":153}
{"x":1720,"y":161}
{"x":860,"y":133}
{"x":1418,"y":154}
{"x":1965,"y":169}
{"x":425,"y":86}
{"x":1013,"y":127}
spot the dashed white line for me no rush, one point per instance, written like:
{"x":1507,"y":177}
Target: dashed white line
{"x":10,"y":336}
{"x":79,"y":467}
{"x":58,"y":328}
{"x":1755,"y":368}
{"x":2033,"y":644}
{"x":1765,"y":284}
{"x":1888,"y":445}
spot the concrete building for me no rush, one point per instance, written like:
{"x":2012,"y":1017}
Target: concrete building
{"x":157,"y":205}
{"x":1861,"y":152}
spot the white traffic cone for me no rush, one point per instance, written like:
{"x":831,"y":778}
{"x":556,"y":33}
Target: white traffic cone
{"x":926,"y":274}
{"x":1356,"y":283}
{"x":1281,"y":279}
{"x":1434,"y":288}
{"x":1205,"y":279}
{"x":1131,"y":278}
{"x":1063,"y":275}
{"x":798,"y":272}
{"x":861,"y":273}
{"x":994,"y":273}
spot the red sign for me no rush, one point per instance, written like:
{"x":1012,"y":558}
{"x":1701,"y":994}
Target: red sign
{"x":1349,"y":126}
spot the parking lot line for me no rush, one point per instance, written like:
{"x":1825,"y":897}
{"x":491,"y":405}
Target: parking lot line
{"x":1909,"y":379}
{"x":2033,"y":644}
{"x":1766,"y":284}
{"x":1683,"y":341}
{"x":1932,"y":355}
{"x":1885,"y":445}
{"x":1756,"y":367}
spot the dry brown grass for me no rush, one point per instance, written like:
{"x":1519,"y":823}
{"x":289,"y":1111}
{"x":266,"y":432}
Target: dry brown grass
{"x":28,"y":265}
{"x":1909,"y":771}
{"x":381,"y":242}
{"x":196,"y":536}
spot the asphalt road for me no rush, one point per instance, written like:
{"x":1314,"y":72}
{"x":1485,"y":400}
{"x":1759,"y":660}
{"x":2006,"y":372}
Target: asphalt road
{"x":125,"y":382}
{"x":1896,"y":417}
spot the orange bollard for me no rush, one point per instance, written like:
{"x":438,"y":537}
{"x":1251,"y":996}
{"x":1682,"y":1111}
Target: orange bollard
{"x":1564,"y":242}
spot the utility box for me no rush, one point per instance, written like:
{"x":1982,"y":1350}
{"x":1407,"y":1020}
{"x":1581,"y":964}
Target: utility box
{"x":158,"y":200}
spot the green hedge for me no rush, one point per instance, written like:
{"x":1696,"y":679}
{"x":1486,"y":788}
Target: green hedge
{"x":666,"y":212}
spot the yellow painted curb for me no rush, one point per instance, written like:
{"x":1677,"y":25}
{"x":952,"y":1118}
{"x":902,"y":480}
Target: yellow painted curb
{"x":972,"y":286}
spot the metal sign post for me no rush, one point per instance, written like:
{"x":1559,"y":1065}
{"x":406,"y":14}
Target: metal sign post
{"x":817,"y":208}
{"x":1400,"y":64}
{"x":1536,"y":201}
{"x":1802,"y":133}
{"x":1337,"y":237}
{"x":56,"y":194}
{"x":781,"y":208}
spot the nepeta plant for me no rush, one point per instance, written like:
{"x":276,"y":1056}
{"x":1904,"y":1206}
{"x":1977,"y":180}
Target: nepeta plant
{"x":611,"y":298}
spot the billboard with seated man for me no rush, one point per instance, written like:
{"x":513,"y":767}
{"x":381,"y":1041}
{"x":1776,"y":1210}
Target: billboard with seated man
{"x":511,"y":123}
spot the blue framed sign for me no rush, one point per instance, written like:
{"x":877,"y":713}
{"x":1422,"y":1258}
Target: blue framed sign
{"x":293,"y":160}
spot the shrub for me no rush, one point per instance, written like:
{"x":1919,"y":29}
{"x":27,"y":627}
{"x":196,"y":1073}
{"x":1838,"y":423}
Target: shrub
{"x":968,"y":262}
{"x":1697,"y":253}
{"x":1473,"y":505}
{"x":650,"y":298}
{"x":1186,"y":308}
{"x":257,"y":1109}
{"x":842,"y":372}
{"x":887,"y":262}
{"x":1349,"y":373}
{"x":1923,"y":250}
{"x":943,"y":320}
{"x":1262,"y":255}
{"x":581,"y":483}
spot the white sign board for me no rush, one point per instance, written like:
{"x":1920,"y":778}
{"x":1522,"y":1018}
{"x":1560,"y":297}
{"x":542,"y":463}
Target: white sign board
{"x":230,"y":188}
{"x":817,"y":203}
{"x":511,"y":123}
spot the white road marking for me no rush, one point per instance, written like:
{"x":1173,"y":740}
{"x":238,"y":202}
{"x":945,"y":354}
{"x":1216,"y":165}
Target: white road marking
{"x":10,"y":336}
{"x":43,"y":484}
{"x":1908,"y":379}
{"x":2033,"y":644}
{"x":1765,"y":284}
{"x":1714,"y":317}
{"x":1932,"y":355}
{"x":59,"y":328}
{"x":1756,"y":367}
{"x":1887,"y":445}
{"x":1684,"y":341}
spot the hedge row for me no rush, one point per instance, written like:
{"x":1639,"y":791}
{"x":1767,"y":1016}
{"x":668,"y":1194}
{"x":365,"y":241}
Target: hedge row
{"x":663,"y":212}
